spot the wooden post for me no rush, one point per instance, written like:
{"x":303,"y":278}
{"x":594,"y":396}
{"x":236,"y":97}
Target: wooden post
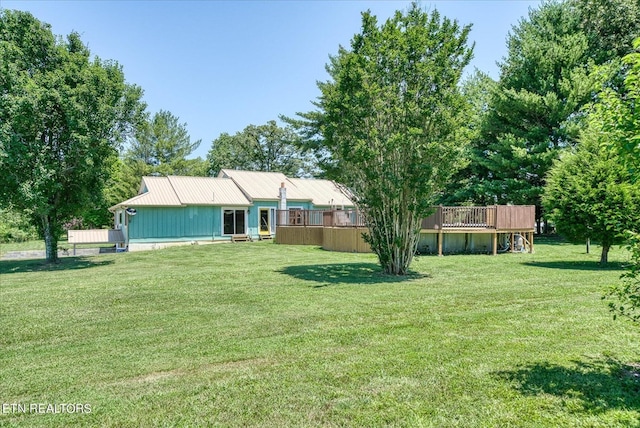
{"x":531,"y":242}
{"x":495,"y":243}
{"x":511,"y":242}
{"x":440,"y":236}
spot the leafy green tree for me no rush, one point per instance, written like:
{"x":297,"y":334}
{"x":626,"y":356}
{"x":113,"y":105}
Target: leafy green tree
{"x":609,"y":25}
{"x":266,"y":147}
{"x":62,"y":117}
{"x":589,"y":195}
{"x":616,"y":118}
{"x":617,"y":115}
{"x":626,"y":295}
{"x":390,"y":119}
{"x":161,"y":146}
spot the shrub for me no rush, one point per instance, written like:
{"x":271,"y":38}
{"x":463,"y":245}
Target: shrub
{"x":626,"y":295}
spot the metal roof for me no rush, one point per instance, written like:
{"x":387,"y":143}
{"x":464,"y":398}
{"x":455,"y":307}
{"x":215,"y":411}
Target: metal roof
{"x":233,"y":188}
{"x":155,"y":192}
{"x":207,"y":191}
{"x":263,"y":185}
{"x":321,"y":192}
{"x":95,"y":236}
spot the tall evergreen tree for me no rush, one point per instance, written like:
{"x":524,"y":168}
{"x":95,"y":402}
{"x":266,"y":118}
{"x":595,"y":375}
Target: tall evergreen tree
{"x":536,"y":108}
{"x":161,"y":146}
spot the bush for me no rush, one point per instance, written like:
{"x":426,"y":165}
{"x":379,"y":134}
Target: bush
{"x":627,"y":293}
{"x":15,"y":227}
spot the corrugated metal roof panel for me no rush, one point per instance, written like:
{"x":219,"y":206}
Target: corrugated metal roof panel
{"x":159,"y":193}
{"x":233,"y":187}
{"x":95,"y":236}
{"x":321,"y":192}
{"x":263,"y":185}
{"x":207,"y":191}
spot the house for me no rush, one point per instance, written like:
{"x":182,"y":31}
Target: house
{"x":176,"y":209}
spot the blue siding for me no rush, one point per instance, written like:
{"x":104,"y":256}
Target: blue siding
{"x":193,"y":222}
{"x":173,"y":222}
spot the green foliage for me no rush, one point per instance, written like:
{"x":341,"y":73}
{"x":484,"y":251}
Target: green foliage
{"x":609,"y":25}
{"x":531,"y":109}
{"x":590,"y":195}
{"x":391,"y":121}
{"x":15,"y":227}
{"x":161,"y":146}
{"x":62,"y":118}
{"x":468,"y":184}
{"x":626,"y":295}
{"x":265,"y":147}
{"x":535,"y":110}
{"x":616,"y":113}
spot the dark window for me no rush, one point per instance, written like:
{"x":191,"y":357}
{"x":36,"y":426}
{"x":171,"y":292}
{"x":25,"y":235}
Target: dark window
{"x":233,"y":222}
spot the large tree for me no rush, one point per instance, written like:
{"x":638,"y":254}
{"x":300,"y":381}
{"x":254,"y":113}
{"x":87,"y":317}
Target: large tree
{"x":546,"y":79}
{"x":389,"y":121}
{"x":267,"y":147}
{"x":62,"y":116}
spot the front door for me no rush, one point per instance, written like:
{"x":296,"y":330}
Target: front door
{"x":265,"y":221}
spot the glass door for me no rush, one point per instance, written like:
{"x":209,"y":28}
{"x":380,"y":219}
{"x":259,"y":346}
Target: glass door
{"x":265,"y":221}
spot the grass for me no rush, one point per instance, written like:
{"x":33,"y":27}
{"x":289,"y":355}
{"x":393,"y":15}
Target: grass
{"x":260,"y":334}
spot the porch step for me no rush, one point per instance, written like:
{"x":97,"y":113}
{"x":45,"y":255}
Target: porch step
{"x":240,"y":238}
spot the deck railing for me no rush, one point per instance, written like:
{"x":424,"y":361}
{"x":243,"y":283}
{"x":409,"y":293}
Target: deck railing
{"x":491,"y":217}
{"x":482,"y":217}
{"x":329,"y":218}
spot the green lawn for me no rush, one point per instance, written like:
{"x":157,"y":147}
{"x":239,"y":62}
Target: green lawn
{"x":260,"y":334}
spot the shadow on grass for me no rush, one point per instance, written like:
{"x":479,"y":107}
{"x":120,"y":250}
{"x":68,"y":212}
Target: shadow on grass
{"x":550,"y":240}
{"x":576,"y":265}
{"x":590,"y":386}
{"x":346,"y":273}
{"x":20,"y":266}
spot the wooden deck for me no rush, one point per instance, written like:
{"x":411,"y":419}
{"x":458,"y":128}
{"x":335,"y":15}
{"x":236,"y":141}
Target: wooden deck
{"x":513,"y":222}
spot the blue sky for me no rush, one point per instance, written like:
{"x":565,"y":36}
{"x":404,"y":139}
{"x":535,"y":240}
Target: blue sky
{"x":222,"y":65}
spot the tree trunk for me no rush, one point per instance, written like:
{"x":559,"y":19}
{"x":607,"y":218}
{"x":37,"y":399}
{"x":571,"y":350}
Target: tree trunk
{"x":50,"y":240}
{"x":604,"y":256}
{"x":588,"y":245}
{"x":393,"y":237}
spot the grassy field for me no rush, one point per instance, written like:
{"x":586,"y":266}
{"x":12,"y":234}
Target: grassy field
{"x":260,"y":334}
